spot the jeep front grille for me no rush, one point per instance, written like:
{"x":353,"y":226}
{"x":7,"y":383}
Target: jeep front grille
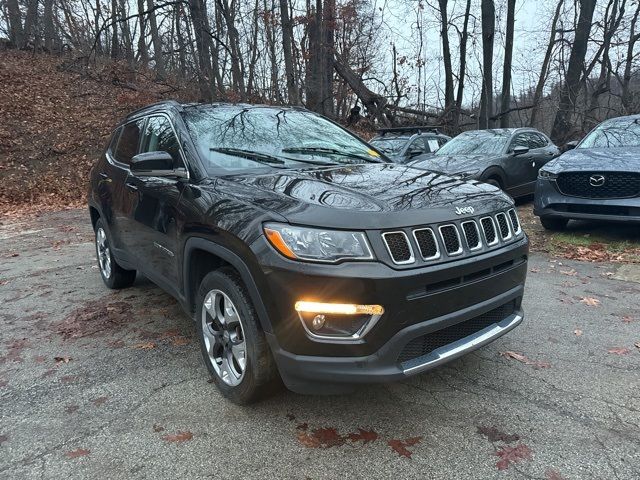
{"x":399,"y":247}
{"x":427,"y":243}
{"x":438,"y":242}
{"x":451,"y":239}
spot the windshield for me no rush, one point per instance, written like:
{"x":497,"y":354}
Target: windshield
{"x":614,"y":133}
{"x":475,"y":143}
{"x":235,"y":137}
{"x":389,"y":145}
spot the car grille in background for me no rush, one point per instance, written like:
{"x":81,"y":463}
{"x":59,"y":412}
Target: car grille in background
{"x":426,"y":344}
{"x":472,"y":235}
{"x":398,"y":246}
{"x":489,"y":230}
{"x":427,"y":243}
{"x":451,"y":239}
{"x":615,"y":185}
{"x":514,"y":221}
{"x":503,"y":226}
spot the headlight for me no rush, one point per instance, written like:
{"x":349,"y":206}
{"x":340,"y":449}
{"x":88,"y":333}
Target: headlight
{"x":547,"y":175}
{"x":317,"y":245}
{"x":468,"y":174}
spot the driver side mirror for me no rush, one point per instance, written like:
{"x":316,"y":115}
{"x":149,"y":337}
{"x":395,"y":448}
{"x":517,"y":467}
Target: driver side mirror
{"x":520,"y":150}
{"x":571,"y":145}
{"x":156,"y":164}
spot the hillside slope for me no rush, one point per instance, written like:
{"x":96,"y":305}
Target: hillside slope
{"x":54,"y":122}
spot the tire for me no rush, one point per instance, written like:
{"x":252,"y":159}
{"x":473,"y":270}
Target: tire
{"x":233,"y":345}
{"x":494,"y":181}
{"x":554,"y":224}
{"x":113,"y":275}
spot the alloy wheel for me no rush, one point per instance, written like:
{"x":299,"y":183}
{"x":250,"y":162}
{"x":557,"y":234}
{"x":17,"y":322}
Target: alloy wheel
{"x":104,"y":254}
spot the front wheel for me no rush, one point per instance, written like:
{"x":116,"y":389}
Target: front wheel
{"x":233,"y":345}
{"x":554,"y":223}
{"x":113,"y":275}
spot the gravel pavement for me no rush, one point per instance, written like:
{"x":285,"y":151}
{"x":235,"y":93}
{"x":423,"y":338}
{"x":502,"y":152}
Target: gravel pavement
{"x":102,"y":384}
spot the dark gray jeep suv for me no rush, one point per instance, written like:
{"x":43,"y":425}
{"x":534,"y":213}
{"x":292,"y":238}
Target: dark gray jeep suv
{"x":299,"y":251}
{"x":599,"y":179}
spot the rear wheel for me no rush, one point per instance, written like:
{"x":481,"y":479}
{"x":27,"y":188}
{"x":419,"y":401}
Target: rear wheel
{"x":113,"y":275}
{"x":495,"y":181}
{"x":554,"y":223}
{"x":232,"y":343}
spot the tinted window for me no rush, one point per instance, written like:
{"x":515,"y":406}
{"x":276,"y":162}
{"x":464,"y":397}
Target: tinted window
{"x":417,"y":146}
{"x":614,"y":133}
{"x":539,"y":141}
{"x":477,"y":142}
{"x":159,"y":137}
{"x":128,"y":143}
{"x":114,"y":140}
{"x":520,"y":140}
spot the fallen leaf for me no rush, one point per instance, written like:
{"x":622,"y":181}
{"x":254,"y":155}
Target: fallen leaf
{"x":62,"y":359}
{"x":180,"y":341}
{"x":637,"y":345}
{"x":495,"y":435}
{"x":71,"y":408}
{"x":145,"y":346}
{"x":365,"y":435}
{"x":321,"y":438}
{"x":527,"y":361}
{"x":627,"y":319}
{"x":99,"y":401}
{"x":178,"y":437}
{"x":590,"y":301}
{"x":3,"y":438}
{"x":509,"y":455}
{"x":571,"y":272}
{"x":158,"y":428}
{"x":619,"y":350}
{"x":535,"y":270}
{"x":291,"y":417}
{"x":80,"y":452}
{"x":400,"y":446}
{"x":551,"y":474}
{"x":577,"y":332}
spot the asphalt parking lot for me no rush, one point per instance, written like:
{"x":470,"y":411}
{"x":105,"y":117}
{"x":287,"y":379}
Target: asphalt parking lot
{"x":102,"y":384}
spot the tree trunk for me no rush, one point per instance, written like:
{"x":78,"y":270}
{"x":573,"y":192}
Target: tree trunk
{"x":142,"y":40}
{"x":537,"y":96}
{"x":446,"y":56}
{"x":488,"y":33}
{"x":126,"y":33}
{"x":328,"y":47}
{"x":562,"y":125}
{"x":115,"y":53}
{"x":156,"y":41}
{"x":313,"y":75}
{"x":627,"y":96}
{"x":198,"y":13}
{"x":47,"y":20}
{"x":463,"y":65}
{"x":506,"y":71}
{"x":16,"y":32}
{"x":287,"y":42}
{"x":182,"y":55}
{"x":233,"y":36}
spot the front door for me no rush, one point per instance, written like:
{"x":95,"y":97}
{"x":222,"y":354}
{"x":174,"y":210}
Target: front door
{"x":155,"y":212}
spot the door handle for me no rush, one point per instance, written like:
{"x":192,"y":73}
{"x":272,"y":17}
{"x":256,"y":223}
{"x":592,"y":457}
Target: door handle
{"x":131,"y":186}
{"x":103,"y":175}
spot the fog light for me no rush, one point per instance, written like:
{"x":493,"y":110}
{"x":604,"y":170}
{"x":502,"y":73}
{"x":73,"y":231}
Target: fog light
{"x":338,"y":308}
{"x":318,"y":322}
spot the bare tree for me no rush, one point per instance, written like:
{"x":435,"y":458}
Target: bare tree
{"x":506,"y":71}
{"x":446,"y":56}
{"x":488,"y":34}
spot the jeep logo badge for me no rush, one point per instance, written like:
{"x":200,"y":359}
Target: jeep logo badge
{"x":464,"y":210}
{"x":596,"y":180}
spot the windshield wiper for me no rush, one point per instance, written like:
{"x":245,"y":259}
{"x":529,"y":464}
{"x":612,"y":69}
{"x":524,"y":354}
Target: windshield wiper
{"x":251,"y":155}
{"x":328,"y":151}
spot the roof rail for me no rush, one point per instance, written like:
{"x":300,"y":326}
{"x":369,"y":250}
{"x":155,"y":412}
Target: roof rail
{"x":157,"y":104}
{"x":413,"y":129}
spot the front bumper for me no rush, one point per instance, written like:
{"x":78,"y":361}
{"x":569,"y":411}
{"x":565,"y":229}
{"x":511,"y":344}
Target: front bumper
{"x":549,"y":202}
{"x":419,"y":303}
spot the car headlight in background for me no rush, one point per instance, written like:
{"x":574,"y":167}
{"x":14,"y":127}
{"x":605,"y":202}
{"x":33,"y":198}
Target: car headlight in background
{"x":317,"y":245}
{"x":546,"y":174}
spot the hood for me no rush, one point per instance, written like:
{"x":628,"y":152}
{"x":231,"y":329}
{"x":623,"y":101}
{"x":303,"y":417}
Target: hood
{"x":368,"y":196}
{"x":623,"y":159}
{"x":452,"y":163}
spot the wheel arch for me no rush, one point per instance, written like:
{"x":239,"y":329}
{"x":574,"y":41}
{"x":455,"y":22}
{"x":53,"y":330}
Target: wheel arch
{"x":494,"y":172}
{"x":202,"y":256}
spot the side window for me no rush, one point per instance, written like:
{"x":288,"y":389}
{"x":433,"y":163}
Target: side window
{"x":159,"y":136}
{"x":433,"y":144}
{"x":416,"y":147}
{"x":539,"y":140}
{"x":519,"y":140}
{"x":128,"y":142}
{"x":114,"y":140}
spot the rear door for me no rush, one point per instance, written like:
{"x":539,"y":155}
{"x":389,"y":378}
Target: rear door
{"x":518,"y":167}
{"x":155,"y":210}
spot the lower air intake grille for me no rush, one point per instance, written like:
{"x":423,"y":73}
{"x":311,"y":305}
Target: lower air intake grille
{"x":426,"y":241}
{"x":450,"y":239}
{"x":425,"y":344}
{"x":489,"y":230}
{"x":398,"y":246}
{"x":501,"y":218}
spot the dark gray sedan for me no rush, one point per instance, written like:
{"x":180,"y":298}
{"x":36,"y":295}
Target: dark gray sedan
{"x":598,"y":180}
{"x":508,"y":158}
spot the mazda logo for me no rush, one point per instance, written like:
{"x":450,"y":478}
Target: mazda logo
{"x":596,"y":180}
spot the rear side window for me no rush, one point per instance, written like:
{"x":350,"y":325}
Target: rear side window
{"x":159,"y":136}
{"x":539,"y":140}
{"x":128,"y":142}
{"x":114,"y":140}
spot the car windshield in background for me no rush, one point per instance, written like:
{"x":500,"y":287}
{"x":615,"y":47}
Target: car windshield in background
{"x":616,"y":133}
{"x":389,"y":145}
{"x":475,"y":143}
{"x":236,"y":138}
